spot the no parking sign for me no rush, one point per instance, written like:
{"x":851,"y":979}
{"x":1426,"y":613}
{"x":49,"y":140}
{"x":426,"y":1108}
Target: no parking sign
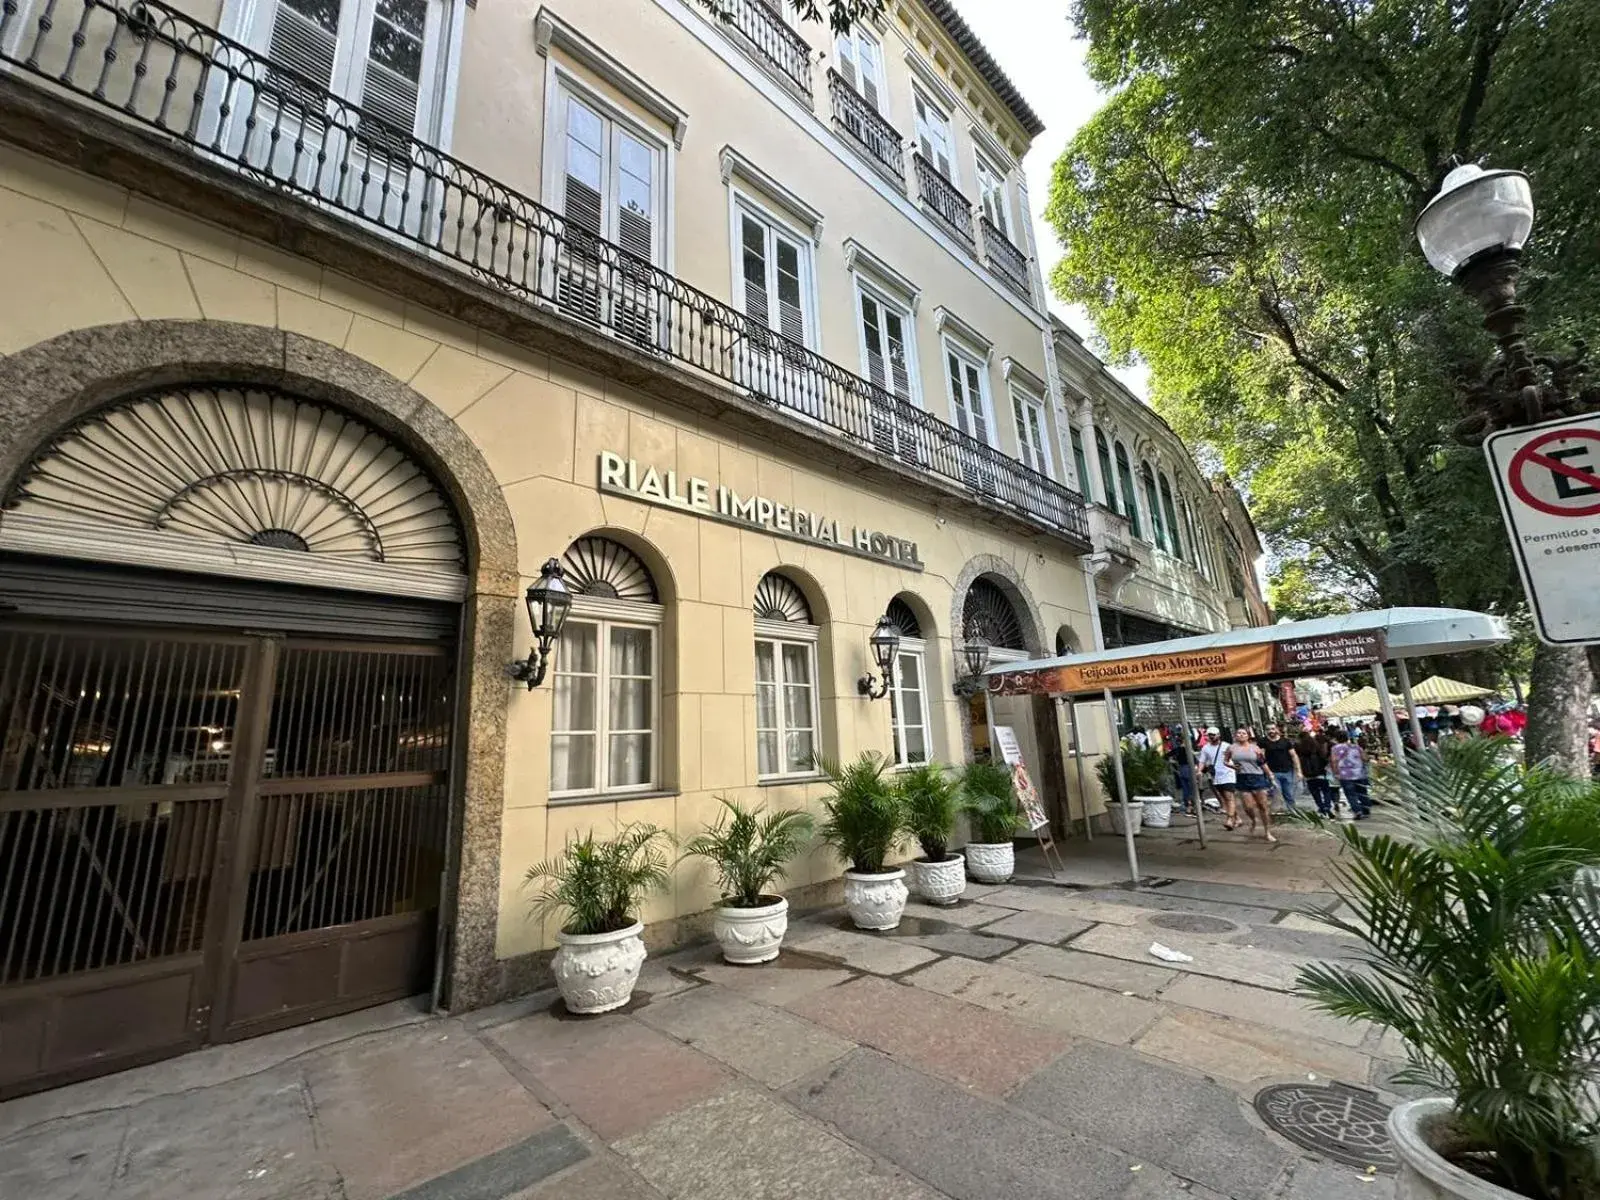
{"x":1548,"y":480}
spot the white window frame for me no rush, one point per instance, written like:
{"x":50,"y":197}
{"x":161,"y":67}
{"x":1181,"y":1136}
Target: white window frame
{"x":779,"y":634}
{"x":885,"y":298}
{"x":741,"y":203}
{"x":1022,"y":401}
{"x":853,"y":40}
{"x":984,"y":167}
{"x":949,"y":131}
{"x":917,"y":649}
{"x":607,"y":615}
{"x":974,"y":358}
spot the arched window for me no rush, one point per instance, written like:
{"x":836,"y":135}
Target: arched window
{"x":908,"y":693}
{"x":1108,"y":477}
{"x":786,"y":679}
{"x":1158,"y":527}
{"x":991,"y":610}
{"x":606,"y":700}
{"x":1130,"y":503}
{"x":1175,"y":542}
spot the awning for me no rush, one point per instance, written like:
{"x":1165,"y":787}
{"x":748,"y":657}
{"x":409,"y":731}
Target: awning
{"x":1440,"y":690}
{"x":1362,"y":703}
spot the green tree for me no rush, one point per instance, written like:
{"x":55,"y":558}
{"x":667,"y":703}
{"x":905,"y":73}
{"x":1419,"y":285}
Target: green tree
{"x":840,"y":14}
{"x":1239,"y":215}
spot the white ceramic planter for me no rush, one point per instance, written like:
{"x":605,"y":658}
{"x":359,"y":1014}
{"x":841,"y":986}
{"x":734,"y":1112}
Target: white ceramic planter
{"x":752,"y":935}
{"x":1135,"y":815}
{"x":1157,"y":811}
{"x":875,"y":901}
{"x":1424,"y":1175}
{"x":596,"y":971}
{"x":991,"y":862}
{"x":939,"y":882}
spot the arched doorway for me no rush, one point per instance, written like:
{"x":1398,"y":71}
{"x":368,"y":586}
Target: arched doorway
{"x":988,"y":609}
{"x":227,"y":704}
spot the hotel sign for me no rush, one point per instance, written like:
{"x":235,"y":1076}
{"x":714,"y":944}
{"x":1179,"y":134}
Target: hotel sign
{"x":626,"y":477}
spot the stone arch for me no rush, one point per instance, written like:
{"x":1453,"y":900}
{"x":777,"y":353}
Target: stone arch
{"x":1008,"y":580}
{"x":52,"y":384}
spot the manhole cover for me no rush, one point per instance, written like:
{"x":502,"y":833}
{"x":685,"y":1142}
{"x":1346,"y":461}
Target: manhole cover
{"x":1193,"y":923}
{"x":1343,"y":1123}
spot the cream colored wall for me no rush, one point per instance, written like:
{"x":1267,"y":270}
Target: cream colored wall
{"x":499,"y":128}
{"x":83,"y":253}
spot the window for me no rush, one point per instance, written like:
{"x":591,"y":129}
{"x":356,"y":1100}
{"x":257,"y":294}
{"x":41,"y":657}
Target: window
{"x":859,"y":59}
{"x":786,"y":674}
{"x":1158,"y":529}
{"x":605,"y":697}
{"x":1031,"y":440}
{"x":992,"y":195}
{"x":1108,"y":477}
{"x":887,"y":349}
{"x":969,"y":392}
{"x":933,"y":136}
{"x":611,"y":178}
{"x":1080,"y":463}
{"x":1174,"y":541}
{"x":1130,"y":503}
{"x":908,"y":707}
{"x":774,"y":276}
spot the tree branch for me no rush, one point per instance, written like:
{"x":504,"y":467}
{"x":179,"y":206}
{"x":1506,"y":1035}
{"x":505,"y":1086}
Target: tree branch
{"x":1284,"y":331}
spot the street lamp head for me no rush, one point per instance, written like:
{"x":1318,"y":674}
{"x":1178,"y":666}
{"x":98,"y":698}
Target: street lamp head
{"x":549,"y":602}
{"x":885,"y":643}
{"x":1476,"y":213}
{"x":975,"y":646}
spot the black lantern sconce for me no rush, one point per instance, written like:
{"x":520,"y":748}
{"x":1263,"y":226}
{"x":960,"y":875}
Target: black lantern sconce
{"x":885,"y":643}
{"x":975,"y":650}
{"x":548,"y":602}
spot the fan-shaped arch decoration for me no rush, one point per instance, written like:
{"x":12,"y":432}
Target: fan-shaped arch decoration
{"x":904,"y":618}
{"x":992,"y":611}
{"x":779,"y":598}
{"x":598,"y":566}
{"x":245,"y":464}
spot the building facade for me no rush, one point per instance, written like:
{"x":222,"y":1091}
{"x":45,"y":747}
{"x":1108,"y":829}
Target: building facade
{"x":331,"y":322}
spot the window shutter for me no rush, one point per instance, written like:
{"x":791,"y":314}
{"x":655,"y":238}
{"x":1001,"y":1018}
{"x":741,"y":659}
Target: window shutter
{"x":897,"y":356}
{"x":844,"y":51}
{"x":635,"y":233}
{"x":975,"y":401}
{"x":754,"y":240}
{"x":870,"y":73}
{"x":306,"y":43}
{"x":791,"y":317}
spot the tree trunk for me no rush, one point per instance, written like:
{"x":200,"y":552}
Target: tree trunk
{"x":1558,"y":709}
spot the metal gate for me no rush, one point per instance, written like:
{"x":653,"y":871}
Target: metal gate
{"x":206,"y":837}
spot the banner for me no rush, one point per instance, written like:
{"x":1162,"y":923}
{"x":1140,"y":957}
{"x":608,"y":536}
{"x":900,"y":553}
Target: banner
{"x":1305,"y":655}
{"x":1021,"y":783}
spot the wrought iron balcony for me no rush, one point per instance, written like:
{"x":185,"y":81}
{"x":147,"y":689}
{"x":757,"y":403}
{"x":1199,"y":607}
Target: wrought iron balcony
{"x":1004,"y":259}
{"x":867,"y":126}
{"x":940,"y":195}
{"x":762,"y":25}
{"x":155,"y":67}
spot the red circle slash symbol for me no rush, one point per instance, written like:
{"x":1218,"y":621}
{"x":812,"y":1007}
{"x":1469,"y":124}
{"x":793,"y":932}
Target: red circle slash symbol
{"x":1559,"y":473}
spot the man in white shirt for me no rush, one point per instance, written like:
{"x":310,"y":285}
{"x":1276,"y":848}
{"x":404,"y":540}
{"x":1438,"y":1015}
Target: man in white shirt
{"x":1220,"y":774}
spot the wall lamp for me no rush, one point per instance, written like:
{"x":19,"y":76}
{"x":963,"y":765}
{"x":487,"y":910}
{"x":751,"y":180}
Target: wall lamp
{"x":885,"y":643}
{"x":975,"y":650}
{"x":548,"y":602}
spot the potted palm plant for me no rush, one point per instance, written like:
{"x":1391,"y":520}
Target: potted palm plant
{"x":991,"y":807}
{"x":930,"y":798}
{"x":1485,"y":957}
{"x":600,"y":885}
{"x":865,"y":824}
{"x":1148,"y":776}
{"x":749,"y":848}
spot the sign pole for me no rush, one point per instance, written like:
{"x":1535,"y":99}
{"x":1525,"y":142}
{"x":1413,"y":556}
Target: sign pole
{"x":1194,"y":770}
{"x":1077,"y":753}
{"x":1411,"y":703}
{"x":1390,"y":725}
{"x":1122,"y":787}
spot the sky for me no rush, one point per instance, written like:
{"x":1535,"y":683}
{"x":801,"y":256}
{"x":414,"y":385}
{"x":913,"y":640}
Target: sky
{"x":1036,"y":46}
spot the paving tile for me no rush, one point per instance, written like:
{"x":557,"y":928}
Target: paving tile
{"x":1331,"y":1181}
{"x":963,"y":1144}
{"x":1065,"y":904}
{"x":745,"y":1146}
{"x":964,"y":913}
{"x":1243,"y":1051}
{"x":497,"y":1175}
{"x":1163,"y":901}
{"x":965,"y":943}
{"x":1322,"y":945}
{"x":1150,"y":1182}
{"x":397,"y":1111}
{"x":1277,"y":1009}
{"x":787,"y":978}
{"x":753,"y":1039}
{"x":74,"y":1158}
{"x":1113,"y":974}
{"x":866,"y":952}
{"x":614,"y":1074}
{"x":1310,"y":924}
{"x":598,"y":1178}
{"x":1037,"y":1000}
{"x":985,"y":1051}
{"x":1233,"y":893}
{"x":981,"y":891}
{"x":1186,"y":1125}
{"x":1260,"y":968}
{"x":1049,"y":928}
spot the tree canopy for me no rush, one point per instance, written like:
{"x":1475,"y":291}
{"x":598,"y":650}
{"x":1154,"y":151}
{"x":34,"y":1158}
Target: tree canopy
{"x":1239,"y":215}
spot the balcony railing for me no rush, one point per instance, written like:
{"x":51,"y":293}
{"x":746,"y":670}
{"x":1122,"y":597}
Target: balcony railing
{"x":867,"y":126}
{"x":153,"y":66}
{"x":939,"y":194}
{"x":764,"y":28}
{"x":1004,"y":259}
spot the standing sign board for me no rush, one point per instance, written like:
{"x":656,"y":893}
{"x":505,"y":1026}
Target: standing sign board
{"x":1027,"y":795}
{"x":1548,"y":480}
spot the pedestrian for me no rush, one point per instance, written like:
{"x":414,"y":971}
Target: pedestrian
{"x":1283,"y":760}
{"x":1350,"y":768}
{"x":1313,"y":751}
{"x":1220,"y":775}
{"x":1179,"y":757}
{"x":1249,"y":762}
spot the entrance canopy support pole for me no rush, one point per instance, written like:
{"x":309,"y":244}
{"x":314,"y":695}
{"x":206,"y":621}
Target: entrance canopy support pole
{"x":1381,"y":681}
{"x":1411,"y":703}
{"x":1122,"y":788}
{"x":1194,"y":770}
{"x":1077,"y":753}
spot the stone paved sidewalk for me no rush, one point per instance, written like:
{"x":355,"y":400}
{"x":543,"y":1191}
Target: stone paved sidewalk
{"x":1022,"y":1044}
